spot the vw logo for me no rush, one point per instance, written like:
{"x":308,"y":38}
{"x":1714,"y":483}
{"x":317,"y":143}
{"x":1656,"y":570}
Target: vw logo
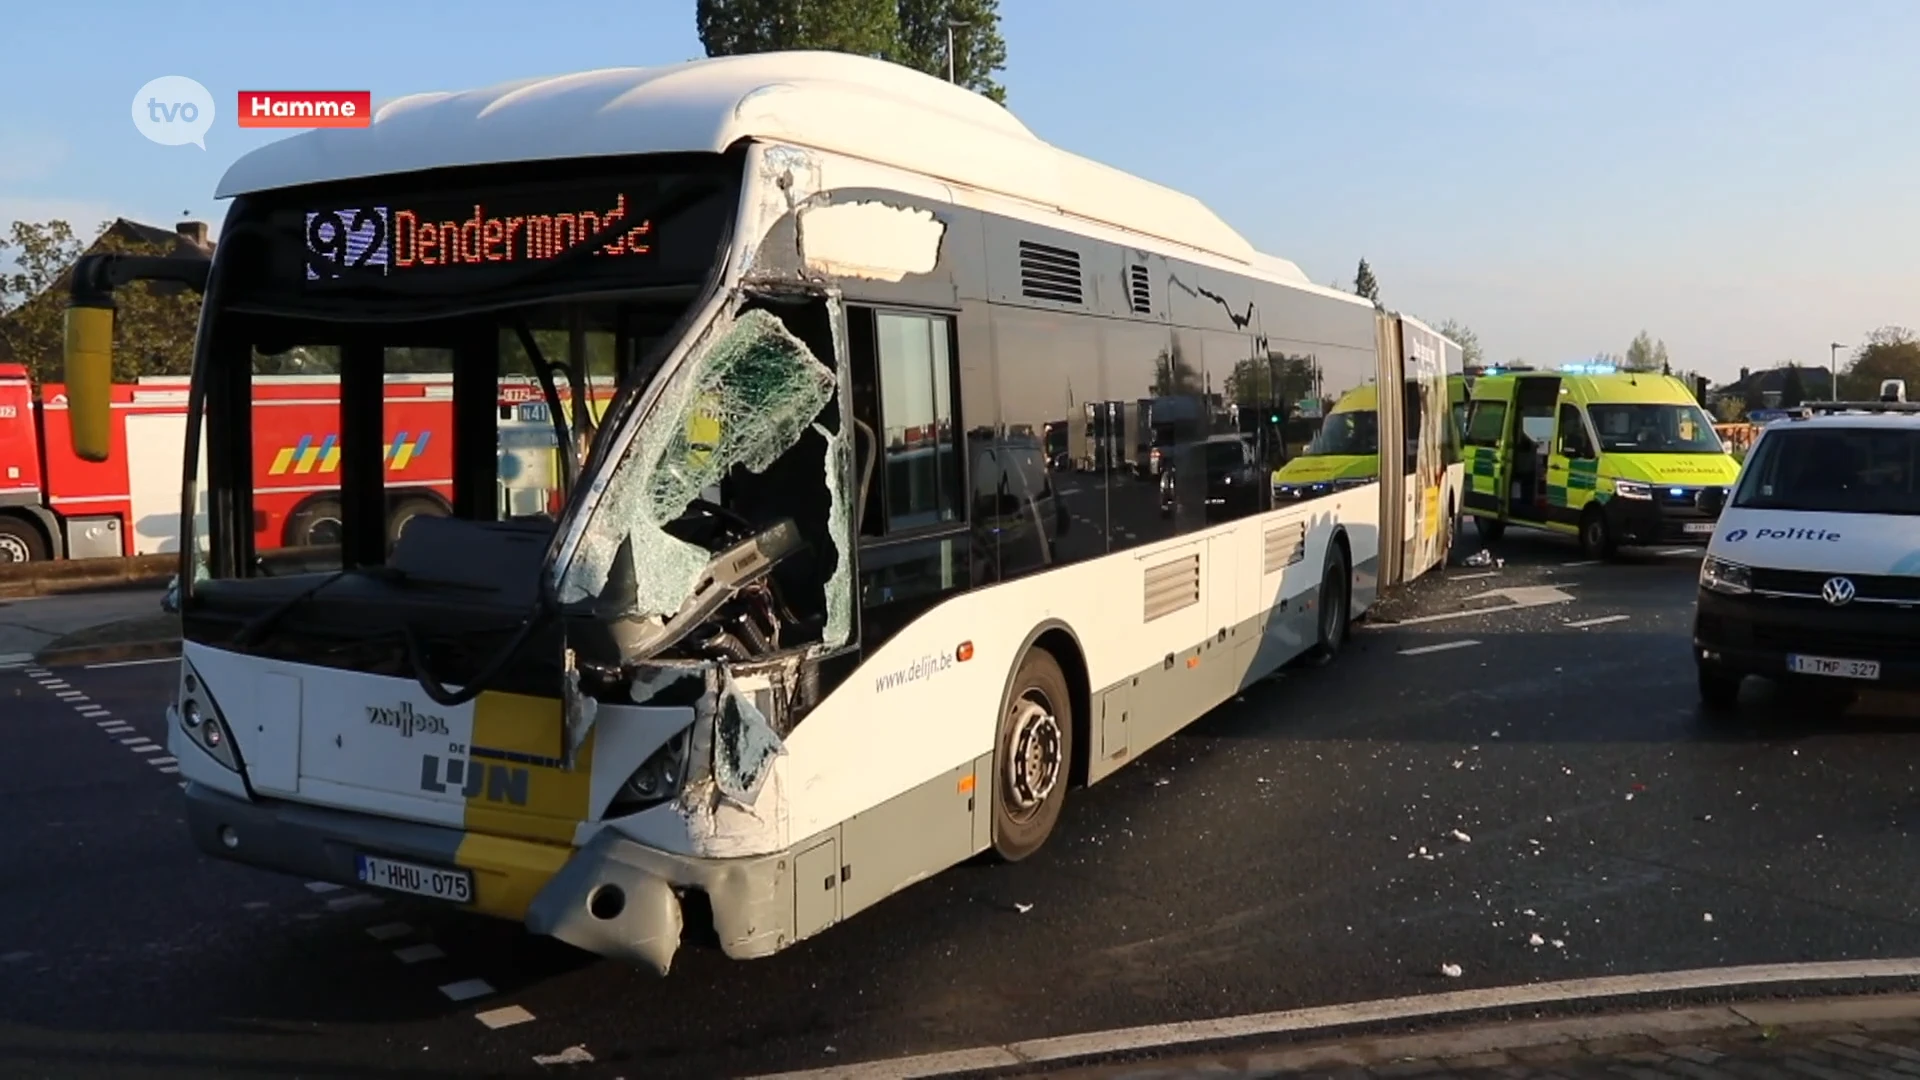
{"x":1837,"y":591}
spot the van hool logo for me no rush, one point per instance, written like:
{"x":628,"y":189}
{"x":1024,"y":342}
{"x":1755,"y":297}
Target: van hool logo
{"x":404,"y":720}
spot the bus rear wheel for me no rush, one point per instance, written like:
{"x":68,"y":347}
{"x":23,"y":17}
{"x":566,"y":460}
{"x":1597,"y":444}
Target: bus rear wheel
{"x":1335,"y":606}
{"x":1033,"y":757}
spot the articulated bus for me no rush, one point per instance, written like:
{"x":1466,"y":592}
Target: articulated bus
{"x":818,"y":615}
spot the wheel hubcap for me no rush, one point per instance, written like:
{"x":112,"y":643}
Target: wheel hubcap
{"x":1034,"y":758}
{"x":12,"y":549}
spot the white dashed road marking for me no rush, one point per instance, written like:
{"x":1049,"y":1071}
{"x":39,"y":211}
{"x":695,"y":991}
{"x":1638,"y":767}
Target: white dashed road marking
{"x":322,"y":887}
{"x":572,"y":1055}
{"x":1600,"y":621}
{"x":132,"y":663}
{"x":414,"y":954}
{"x":1442,"y":647}
{"x":1582,"y":562}
{"x":389,"y":931}
{"x":467,"y":989}
{"x":506,"y":1016}
{"x":104,"y":719}
{"x":353,"y":901}
{"x":1473,"y":577}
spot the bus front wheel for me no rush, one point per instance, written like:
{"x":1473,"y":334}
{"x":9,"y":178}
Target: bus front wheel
{"x":1033,"y":756}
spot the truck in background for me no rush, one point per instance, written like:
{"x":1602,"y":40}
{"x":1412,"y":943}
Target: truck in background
{"x":54,"y":505}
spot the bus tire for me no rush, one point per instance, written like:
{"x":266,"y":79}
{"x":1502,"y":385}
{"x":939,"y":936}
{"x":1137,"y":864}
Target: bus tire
{"x":20,"y":541}
{"x":1033,"y":757}
{"x":1596,"y":536}
{"x":1334,"y":606}
{"x":1490,"y":529}
{"x":316,"y":523}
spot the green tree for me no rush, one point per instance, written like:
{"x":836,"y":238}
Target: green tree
{"x":912,"y":33}
{"x":1646,"y":354}
{"x":1364,"y":283}
{"x":1462,"y":335}
{"x":1891,"y":352}
{"x":735,"y":27}
{"x":153,"y":324}
{"x":1793,"y":389}
{"x":978,"y":49}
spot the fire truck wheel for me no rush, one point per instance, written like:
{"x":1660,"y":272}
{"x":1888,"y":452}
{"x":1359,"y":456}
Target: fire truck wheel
{"x":20,"y":541}
{"x":316,"y":523}
{"x":409,"y":508}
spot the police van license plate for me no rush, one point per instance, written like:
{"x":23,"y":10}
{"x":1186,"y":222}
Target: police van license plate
{"x":406,"y":877}
{"x":1837,"y":669}
{"x":1698,"y":527}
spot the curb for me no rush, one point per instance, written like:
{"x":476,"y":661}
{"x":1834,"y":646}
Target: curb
{"x":1539,"y":1044}
{"x":161,"y":649}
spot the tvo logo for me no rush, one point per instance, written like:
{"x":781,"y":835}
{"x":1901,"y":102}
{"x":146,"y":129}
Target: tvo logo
{"x":474,"y":779}
{"x":174,"y":110}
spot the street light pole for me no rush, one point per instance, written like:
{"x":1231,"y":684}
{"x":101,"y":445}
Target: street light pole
{"x":951,"y":26}
{"x":1833,"y":368}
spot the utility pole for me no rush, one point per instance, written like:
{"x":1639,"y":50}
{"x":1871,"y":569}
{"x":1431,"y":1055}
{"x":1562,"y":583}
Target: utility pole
{"x":1833,"y":369}
{"x":952,"y":25}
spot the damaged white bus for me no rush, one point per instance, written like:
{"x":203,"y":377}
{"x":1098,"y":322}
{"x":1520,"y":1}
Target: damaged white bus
{"x":817,"y":616}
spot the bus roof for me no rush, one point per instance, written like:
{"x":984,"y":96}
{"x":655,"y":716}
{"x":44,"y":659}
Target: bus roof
{"x":829,"y":101}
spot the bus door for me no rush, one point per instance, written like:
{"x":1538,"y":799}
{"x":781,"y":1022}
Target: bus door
{"x":1536,"y":401}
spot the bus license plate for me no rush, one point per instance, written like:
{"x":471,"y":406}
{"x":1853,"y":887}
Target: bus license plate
{"x":1832,"y":668}
{"x":1699,"y":527}
{"x":452,"y":885}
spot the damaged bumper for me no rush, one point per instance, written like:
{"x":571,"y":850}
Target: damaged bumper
{"x":612,"y":897}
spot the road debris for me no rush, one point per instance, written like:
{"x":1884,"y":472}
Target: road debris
{"x":572,"y":1055}
{"x":1022,"y":909}
{"x":1536,"y":940}
{"x":1451,"y":971}
{"x":1461,"y":836}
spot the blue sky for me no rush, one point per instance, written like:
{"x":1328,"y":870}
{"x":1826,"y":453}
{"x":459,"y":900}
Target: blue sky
{"x":1740,"y":179}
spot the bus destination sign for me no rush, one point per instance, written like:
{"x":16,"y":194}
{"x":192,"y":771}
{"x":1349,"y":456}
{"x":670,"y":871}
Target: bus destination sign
{"x":393,"y":241}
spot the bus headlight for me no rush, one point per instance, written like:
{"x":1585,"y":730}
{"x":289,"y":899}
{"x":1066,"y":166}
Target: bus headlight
{"x":202,"y":720}
{"x":657,"y":780}
{"x":1632,"y":489}
{"x":1721,"y":576}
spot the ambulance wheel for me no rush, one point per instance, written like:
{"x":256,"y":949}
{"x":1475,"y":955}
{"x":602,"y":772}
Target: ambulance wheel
{"x":1596,"y":537}
{"x":20,"y":541}
{"x":1490,"y":529}
{"x":1033,"y":757}
{"x":315,"y":524}
{"x":1335,"y":607}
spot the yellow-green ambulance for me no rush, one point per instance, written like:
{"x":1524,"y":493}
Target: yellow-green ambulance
{"x":1614,"y":458}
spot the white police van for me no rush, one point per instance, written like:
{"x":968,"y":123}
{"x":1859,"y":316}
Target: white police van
{"x":1813,"y":573}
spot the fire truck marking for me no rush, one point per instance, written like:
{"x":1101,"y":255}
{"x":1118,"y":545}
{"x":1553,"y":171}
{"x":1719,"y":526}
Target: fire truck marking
{"x":303,"y":457}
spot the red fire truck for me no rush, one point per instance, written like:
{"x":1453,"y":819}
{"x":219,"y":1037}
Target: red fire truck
{"x":54,"y":505}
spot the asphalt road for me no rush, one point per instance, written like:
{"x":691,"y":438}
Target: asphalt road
{"x":1295,"y":848}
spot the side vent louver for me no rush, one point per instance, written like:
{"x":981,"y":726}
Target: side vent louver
{"x":1286,"y":545}
{"x":1050,"y":273}
{"x":1172,"y":586}
{"x":1139,"y":290}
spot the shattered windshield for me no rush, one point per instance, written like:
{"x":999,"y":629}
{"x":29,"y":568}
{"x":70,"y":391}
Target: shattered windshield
{"x":747,"y":393}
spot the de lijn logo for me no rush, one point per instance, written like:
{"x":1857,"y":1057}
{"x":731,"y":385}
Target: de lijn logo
{"x":173,"y":110}
{"x":1738,"y":535}
{"x":406,"y":721}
